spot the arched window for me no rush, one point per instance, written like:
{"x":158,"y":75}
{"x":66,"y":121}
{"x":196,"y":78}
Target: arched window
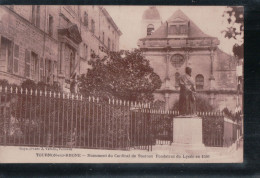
{"x":199,"y":81}
{"x":177,"y":79}
{"x":177,"y":60}
{"x":150,"y":29}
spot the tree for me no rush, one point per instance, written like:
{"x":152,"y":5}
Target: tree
{"x":235,"y":28}
{"x":128,"y":78}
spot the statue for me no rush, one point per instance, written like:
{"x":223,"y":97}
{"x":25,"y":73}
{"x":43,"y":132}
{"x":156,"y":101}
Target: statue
{"x":187,"y":100}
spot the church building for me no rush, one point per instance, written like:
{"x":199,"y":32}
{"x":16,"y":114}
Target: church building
{"x":172,"y":45}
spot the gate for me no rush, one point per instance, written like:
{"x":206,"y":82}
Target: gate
{"x":150,"y":127}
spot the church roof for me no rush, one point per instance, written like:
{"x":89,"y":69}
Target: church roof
{"x":194,"y":30}
{"x":151,"y":14}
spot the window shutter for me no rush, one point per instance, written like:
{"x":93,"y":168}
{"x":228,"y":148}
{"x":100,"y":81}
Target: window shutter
{"x":32,"y":66}
{"x":41,"y":69}
{"x":33,"y":14}
{"x":10,"y":57}
{"x":16,"y":58}
{"x":85,"y":19}
{"x":2,"y":55}
{"x":38,"y":17}
{"x":27,"y":63}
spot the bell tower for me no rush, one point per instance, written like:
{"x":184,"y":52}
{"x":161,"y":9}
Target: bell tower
{"x":151,"y":21}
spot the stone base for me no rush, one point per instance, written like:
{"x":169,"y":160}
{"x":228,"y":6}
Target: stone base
{"x":187,"y":134}
{"x":187,"y":130}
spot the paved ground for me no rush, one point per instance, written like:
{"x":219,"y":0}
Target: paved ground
{"x":160,"y":154}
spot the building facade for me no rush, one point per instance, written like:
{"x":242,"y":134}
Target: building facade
{"x":53,"y":43}
{"x":177,"y":43}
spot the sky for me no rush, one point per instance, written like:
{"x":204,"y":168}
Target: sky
{"x":208,"y":18}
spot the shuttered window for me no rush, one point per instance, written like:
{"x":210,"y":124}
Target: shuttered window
{"x":85,"y":19}
{"x":42,"y":77}
{"x":27,"y":64}
{"x":6,"y":61}
{"x":16,"y":58}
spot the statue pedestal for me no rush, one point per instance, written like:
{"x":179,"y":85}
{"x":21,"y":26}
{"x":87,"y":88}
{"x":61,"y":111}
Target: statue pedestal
{"x":187,"y":133}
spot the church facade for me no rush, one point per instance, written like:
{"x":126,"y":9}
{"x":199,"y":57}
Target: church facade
{"x":179,"y":42}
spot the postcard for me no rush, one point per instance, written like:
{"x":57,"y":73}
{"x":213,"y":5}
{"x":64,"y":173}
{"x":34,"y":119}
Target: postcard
{"x":121,"y":84}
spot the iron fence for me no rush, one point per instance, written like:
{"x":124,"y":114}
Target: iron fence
{"x":37,"y":118}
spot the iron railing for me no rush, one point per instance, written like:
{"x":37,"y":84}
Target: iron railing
{"x":37,"y":118}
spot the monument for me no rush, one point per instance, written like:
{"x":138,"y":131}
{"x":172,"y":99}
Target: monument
{"x":187,"y":127}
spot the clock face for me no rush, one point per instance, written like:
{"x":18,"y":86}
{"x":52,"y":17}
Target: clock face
{"x":177,"y":60}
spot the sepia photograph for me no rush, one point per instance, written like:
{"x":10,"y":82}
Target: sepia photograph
{"x":121,"y":84}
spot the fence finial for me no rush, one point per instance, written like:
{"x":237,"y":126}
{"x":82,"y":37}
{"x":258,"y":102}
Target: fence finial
{"x":81,"y":97}
{"x":11,"y":89}
{"x":109,"y":101}
{"x":16,"y":90}
{"x":26,"y":91}
{"x":35,"y":92}
{"x":1,"y":88}
{"x":97,"y":99}
{"x":21,"y":90}
{"x":113,"y":101}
